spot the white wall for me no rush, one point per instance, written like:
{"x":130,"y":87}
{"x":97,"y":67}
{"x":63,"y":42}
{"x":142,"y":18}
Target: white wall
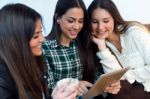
{"x":46,"y":9}
{"x":134,"y":9}
{"x":129,"y":9}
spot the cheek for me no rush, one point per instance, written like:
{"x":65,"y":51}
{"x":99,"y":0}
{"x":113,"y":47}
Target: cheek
{"x":32,"y":48}
{"x":64,"y":26}
{"x":111,"y":26}
{"x":93,"y":27}
{"x":80,"y":27}
{"x":33,"y":44}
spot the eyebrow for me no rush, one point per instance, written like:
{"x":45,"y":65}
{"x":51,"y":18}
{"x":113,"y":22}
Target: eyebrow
{"x":75,"y":18}
{"x":107,"y":18}
{"x":37,"y":32}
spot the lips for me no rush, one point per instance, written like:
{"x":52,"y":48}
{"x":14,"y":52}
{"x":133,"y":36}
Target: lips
{"x":100,"y":33}
{"x":73,"y":32}
{"x":38,"y":47}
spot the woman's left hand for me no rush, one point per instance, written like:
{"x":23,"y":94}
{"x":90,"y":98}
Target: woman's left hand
{"x":114,"y":88}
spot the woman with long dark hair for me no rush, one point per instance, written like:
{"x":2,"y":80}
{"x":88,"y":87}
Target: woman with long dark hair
{"x":22,"y":69}
{"x":67,"y":50}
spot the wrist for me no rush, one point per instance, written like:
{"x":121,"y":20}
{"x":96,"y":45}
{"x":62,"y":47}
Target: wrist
{"x":102,"y":47}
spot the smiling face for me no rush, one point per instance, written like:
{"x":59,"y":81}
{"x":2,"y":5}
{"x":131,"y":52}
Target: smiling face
{"x":37,"y":39}
{"x":71,"y":23}
{"x":102,"y":23}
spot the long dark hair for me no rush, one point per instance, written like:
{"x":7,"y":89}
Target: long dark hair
{"x":17,"y":25}
{"x":83,"y":39}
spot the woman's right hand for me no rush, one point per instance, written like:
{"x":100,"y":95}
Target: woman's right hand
{"x":114,"y":88}
{"x":100,"y":43}
{"x":83,"y":87}
{"x":62,"y":92}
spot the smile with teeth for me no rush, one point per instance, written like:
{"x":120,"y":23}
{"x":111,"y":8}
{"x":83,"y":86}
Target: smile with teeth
{"x":73,"y":32}
{"x":100,"y":33}
{"x":39,"y":46}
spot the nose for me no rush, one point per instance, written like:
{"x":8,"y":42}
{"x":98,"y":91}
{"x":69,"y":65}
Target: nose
{"x":76,"y":25}
{"x":101,"y":26}
{"x":41,"y":38}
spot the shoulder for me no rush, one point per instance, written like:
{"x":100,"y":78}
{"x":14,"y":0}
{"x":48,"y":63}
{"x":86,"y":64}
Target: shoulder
{"x":138,"y":34}
{"x":136,"y":26}
{"x":137,"y":30}
{"x":49,"y":44}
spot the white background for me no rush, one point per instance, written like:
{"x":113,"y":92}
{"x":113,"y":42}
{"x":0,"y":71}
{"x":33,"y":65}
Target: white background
{"x":138,"y":10}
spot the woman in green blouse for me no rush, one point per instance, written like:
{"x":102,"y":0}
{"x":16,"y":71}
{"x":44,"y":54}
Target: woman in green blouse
{"x":67,"y":48}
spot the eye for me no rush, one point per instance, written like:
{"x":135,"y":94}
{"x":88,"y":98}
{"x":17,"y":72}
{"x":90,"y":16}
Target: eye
{"x":70,"y":20}
{"x":36,"y":34}
{"x":94,"y":21}
{"x":81,"y":21}
{"x":106,"y":21}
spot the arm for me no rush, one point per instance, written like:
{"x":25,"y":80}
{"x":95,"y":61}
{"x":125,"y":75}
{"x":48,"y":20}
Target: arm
{"x":46,"y":50}
{"x":141,"y":39}
{"x":109,"y":62}
{"x":51,"y":82}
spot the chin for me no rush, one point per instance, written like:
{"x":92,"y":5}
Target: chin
{"x":102,"y":37}
{"x":73,"y":37}
{"x":38,"y":54}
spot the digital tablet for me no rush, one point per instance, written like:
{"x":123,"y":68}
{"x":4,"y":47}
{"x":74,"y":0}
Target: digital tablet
{"x":104,"y":81}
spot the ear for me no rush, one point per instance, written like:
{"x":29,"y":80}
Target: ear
{"x":58,"y":20}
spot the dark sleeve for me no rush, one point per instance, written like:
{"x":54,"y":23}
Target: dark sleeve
{"x":7,"y":85}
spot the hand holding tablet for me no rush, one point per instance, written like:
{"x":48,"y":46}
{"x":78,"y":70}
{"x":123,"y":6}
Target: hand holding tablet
{"x":104,"y":81}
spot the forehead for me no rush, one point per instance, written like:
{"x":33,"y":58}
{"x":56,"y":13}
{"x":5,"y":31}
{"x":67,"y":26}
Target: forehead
{"x":38,"y":26}
{"x":101,"y":13}
{"x":75,"y":12}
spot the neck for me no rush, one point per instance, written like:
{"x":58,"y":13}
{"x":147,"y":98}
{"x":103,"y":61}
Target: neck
{"x":115,"y":40}
{"x":65,"y":42}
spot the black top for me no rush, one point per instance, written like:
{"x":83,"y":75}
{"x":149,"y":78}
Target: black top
{"x":8,"y":89}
